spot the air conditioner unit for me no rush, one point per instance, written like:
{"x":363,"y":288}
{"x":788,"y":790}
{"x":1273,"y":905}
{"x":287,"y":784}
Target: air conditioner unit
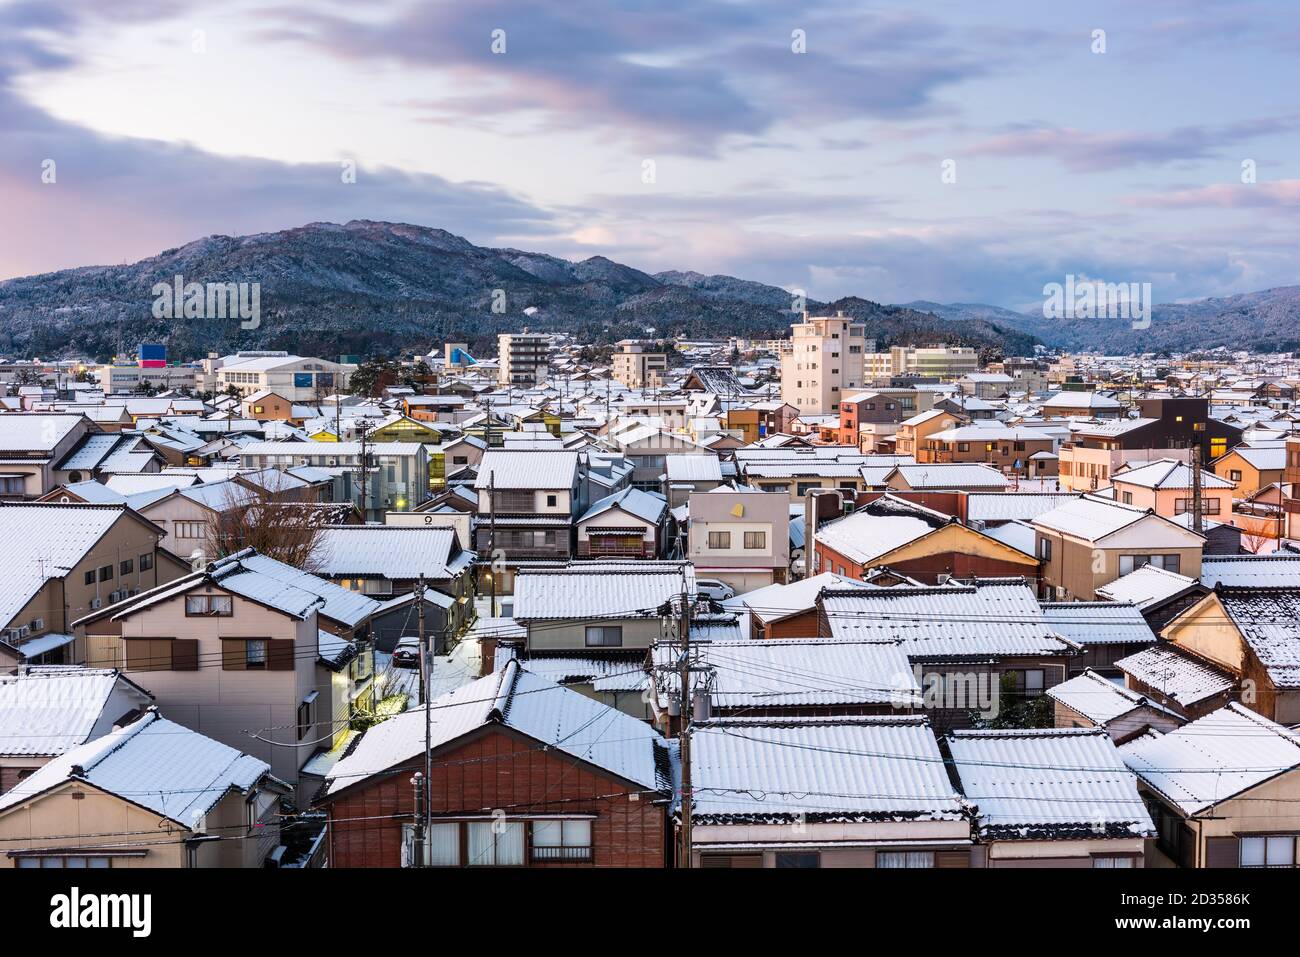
{"x":96,"y":603}
{"x":114,"y":598}
{"x":23,"y":631}
{"x":38,"y":624}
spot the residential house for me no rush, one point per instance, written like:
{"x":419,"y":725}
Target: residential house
{"x":789,"y":792}
{"x":740,"y":537}
{"x":1091,"y":700}
{"x":31,"y":446}
{"x":527,"y":504}
{"x":1251,"y":469}
{"x":627,"y":524}
{"x":579,"y":784}
{"x":1165,"y":487}
{"x":48,"y":711}
{"x":105,"y":804}
{"x":1089,"y":542}
{"x":1105,"y":631}
{"x":1178,"y":680}
{"x":1224,"y":790}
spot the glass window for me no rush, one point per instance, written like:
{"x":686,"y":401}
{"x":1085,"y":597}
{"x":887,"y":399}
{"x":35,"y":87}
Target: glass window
{"x":604,"y":636}
{"x":1034,"y":681}
{"x":562,"y":840}
{"x":719,"y":539}
{"x":146,"y":562}
{"x":905,"y":858}
{"x":798,"y":859}
{"x":255,"y":653}
{"x":1112,"y":862}
{"x":1268,"y":851}
{"x":496,"y":844}
{"x":756,"y":539}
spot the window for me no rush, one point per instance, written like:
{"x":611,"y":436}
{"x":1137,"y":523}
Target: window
{"x":1268,"y":851}
{"x":189,"y":529}
{"x":604,"y":636}
{"x":1128,"y":498}
{"x":441,"y":849}
{"x":798,"y":859}
{"x":550,"y":501}
{"x":756,"y":539}
{"x":460,"y":460}
{"x":562,"y":840}
{"x":1045,"y":549}
{"x":1112,"y":861}
{"x":1209,"y":506}
{"x":495,"y":844}
{"x":1034,"y":681}
{"x":1235,"y":475}
{"x":126,"y":567}
{"x":106,"y":573}
{"x":963,"y":446}
{"x":304,"y":718}
{"x":719,"y":539}
{"x":90,"y":577}
{"x":1129,"y":563}
{"x":255,"y":654}
{"x":217,"y":606}
{"x":54,"y":861}
{"x":905,"y":858}
{"x":146,"y":562}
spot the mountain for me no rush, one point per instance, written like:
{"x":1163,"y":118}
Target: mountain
{"x":1264,"y":321}
{"x":371,"y":287}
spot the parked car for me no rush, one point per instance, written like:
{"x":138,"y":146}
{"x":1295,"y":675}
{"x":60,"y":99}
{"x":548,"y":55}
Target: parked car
{"x":407,"y":652}
{"x":713,"y":589}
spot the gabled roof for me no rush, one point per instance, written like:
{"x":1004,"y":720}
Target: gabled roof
{"x":1092,"y":518}
{"x":1147,"y":586}
{"x":1269,"y":622}
{"x":951,"y":476}
{"x":530,"y":469}
{"x":557,"y":718}
{"x":774,"y":602}
{"x":1167,"y":474}
{"x":1099,"y":699}
{"x":47,"y":711}
{"x":1175,"y":674}
{"x":34,"y":432}
{"x":154,"y":763}
{"x":647,"y":506}
{"x":390,"y":551}
{"x":1049,"y":783}
{"x":842,"y":769}
{"x":1278,"y":570}
{"x":1214,"y":758}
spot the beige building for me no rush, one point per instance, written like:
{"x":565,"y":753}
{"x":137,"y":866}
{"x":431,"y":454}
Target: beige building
{"x":296,"y":378}
{"x":825,"y":363}
{"x":941,"y":362}
{"x":523,"y":358}
{"x":638,"y":365}
{"x":127,"y":378}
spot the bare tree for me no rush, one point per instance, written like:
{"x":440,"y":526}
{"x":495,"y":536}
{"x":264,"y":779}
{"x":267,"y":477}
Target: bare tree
{"x":253,"y":516}
{"x":1255,"y":534}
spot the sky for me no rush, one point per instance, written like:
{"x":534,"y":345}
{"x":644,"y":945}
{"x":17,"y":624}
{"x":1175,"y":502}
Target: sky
{"x":955,"y":152}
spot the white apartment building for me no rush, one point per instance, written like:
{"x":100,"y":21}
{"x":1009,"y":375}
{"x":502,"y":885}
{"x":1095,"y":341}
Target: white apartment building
{"x":523,"y":358}
{"x":126,"y":378}
{"x":825,"y":362}
{"x":939,"y":362}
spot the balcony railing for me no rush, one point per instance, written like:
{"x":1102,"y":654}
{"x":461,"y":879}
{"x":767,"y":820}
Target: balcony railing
{"x":561,"y":853}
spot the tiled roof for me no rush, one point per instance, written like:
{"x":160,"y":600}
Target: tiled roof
{"x":600,"y":590}
{"x":1099,"y":699}
{"x":1176,"y":675}
{"x":48,"y":711}
{"x":389,"y":551}
{"x":1090,"y":623}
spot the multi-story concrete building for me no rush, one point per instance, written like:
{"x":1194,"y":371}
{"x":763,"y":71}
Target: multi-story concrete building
{"x":127,"y":378}
{"x":639,"y":365}
{"x":296,"y":378}
{"x":523,"y":358}
{"x":741,"y":538}
{"x":942,"y":362}
{"x":825,"y":362}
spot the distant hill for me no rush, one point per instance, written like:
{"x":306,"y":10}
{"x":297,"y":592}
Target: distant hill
{"x":371,"y":287}
{"x":1264,"y":321}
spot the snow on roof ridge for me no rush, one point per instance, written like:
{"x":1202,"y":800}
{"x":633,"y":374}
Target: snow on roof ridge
{"x":117,"y":738}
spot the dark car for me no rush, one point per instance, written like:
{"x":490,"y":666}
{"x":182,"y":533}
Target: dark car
{"x":407,"y":652}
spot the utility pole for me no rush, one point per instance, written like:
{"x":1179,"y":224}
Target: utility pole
{"x":492,"y":544}
{"x":426,"y":692}
{"x":684,"y":731}
{"x":364,"y":429}
{"x":1198,"y":518}
{"x":417,"y":784}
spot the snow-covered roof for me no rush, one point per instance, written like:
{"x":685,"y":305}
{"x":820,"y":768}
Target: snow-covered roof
{"x":351,"y":608}
{"x":1089,"y":623}
{"x":1269,"y":621}
{"x":693,"y":468}
{"x":610,"y":674}
{"x":1099,"y":699}
{"x":1213,"y":758}
{"x":647,"y":506}
{"x":993,"y":617}
{"x":799,"y":672}
{"x":1146,"y":586}
{"x":774,"y":602}
{"x":1167,"y":474}
{"x":600,"y":589}
{"x":47,"y":711}
{"x":1090,"y":518}
{"x":839,"y":769}
{"x":1176,"y":675}
{"x":515,"y":698}
{"x":530,"y":469}
{"x":1080,"y":400}
{"x":1009,"y":506}
{"x":34,"y":432}
{"x":1031,"y":784}
{"x":389,"y":551}
{"x":952,"y":476}
{"x":173,"y":771}
{"x":1278,"y":570}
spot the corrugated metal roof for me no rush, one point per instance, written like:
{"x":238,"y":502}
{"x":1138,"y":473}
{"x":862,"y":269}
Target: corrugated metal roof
{"x":50,"y":711}
{"x":1009,"y":506}
{"x":988,"y":619}
{"x":952,"y":476}
{"x":1258,"y":571}
{"x":1098,"y":698}
{"x":352,"y":608}
{"x":1090,"y":518}
{"x":600,"y":590}
{"x":1098,"y":622}
{"x":799,"y":672}
{"x":169,"y":769}
{"x":776,"y":770}
{"x":1214,"y":758}
{"x":1146,"y":586}
{"x":531,"y":469}
{"x":390,"y":551}
{"x":1053,"y":783}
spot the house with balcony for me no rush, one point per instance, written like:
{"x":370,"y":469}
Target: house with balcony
{"x":627,"y":524}
{"x":528,"y":503}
